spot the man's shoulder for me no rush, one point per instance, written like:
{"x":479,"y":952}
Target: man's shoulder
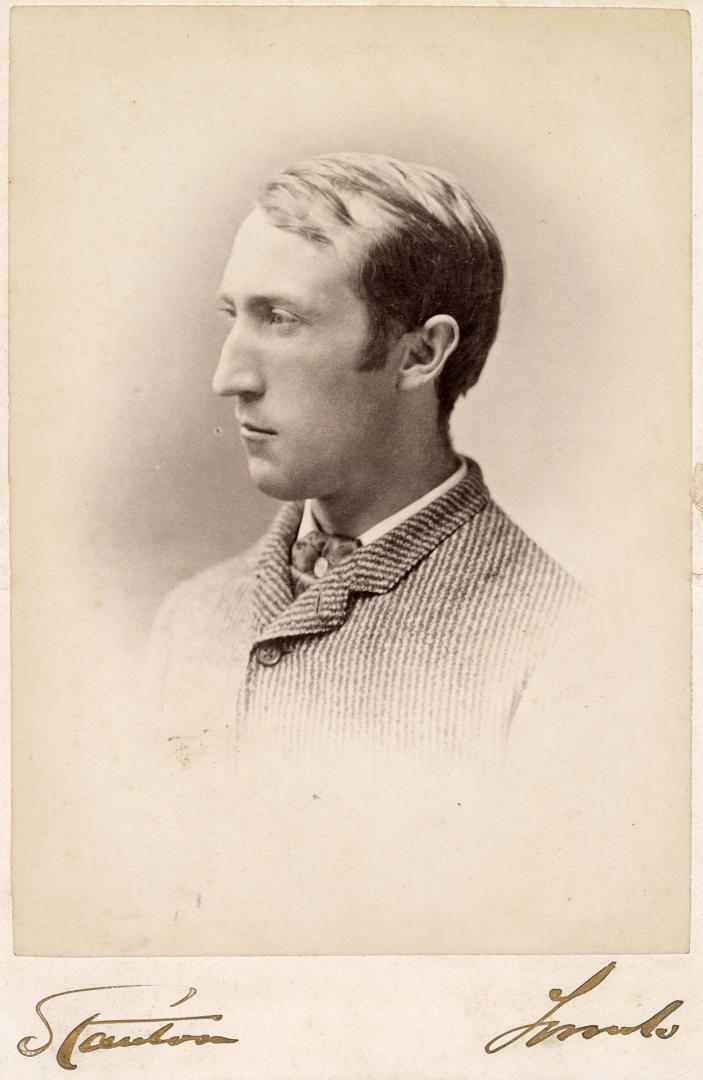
{"x":493,"y":558}
{"x":215,"y":588}
{"x":492,"y":541}
{"x":515,"y":547}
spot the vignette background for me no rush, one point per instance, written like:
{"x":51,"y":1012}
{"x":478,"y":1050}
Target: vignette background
{"x":139,"y":139}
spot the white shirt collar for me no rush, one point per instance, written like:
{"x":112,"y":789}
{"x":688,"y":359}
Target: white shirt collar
{"x":308,"y":523}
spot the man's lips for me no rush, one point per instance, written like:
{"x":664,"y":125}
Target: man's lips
{"x":251,"y":430}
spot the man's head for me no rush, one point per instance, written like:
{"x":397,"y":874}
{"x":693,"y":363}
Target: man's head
{"x":363,"y":296}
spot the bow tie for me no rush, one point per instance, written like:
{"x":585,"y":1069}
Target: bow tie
{"x":316,"y":553}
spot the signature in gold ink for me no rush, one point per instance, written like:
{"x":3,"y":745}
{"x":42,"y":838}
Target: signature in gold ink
{"x":544,"y":1028}
{"x":100,"y":1040}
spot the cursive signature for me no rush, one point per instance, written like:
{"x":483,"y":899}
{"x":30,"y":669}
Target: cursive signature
{"x":100,"y":1040}
{"x":544,"y":1028}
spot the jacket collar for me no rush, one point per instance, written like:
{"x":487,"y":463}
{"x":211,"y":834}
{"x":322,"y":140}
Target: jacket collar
{"x":376,"y":568}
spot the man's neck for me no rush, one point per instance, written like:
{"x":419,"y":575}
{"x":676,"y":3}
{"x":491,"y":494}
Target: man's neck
{"x":352,"y":513}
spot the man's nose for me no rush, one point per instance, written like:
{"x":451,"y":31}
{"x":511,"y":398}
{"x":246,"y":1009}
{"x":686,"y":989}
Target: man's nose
{"x":238,"y":372}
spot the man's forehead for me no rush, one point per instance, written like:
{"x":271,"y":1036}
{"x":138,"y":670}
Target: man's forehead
{"x":279,"y":266}
{"x":263,"y":250}
{"x":259,"y":234}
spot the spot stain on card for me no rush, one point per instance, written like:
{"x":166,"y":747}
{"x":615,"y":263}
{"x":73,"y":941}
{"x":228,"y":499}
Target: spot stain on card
{"x":697,"y":495}
{"x":187,"y":747}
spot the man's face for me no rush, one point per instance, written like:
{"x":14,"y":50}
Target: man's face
{"x":313,"y":424}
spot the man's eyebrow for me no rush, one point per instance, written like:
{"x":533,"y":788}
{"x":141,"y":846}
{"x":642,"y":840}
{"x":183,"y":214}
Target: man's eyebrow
{"x":261,"y":299}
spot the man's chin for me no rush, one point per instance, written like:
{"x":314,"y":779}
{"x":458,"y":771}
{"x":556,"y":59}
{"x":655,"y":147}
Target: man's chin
{"x":277,"y":481}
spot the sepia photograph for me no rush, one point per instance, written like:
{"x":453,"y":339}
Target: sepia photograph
{"x":350,"y":396}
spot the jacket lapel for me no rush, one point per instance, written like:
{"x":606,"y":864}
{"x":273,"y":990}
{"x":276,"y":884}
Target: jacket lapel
{"x":273,"y":591}
{"x":376,"y":568}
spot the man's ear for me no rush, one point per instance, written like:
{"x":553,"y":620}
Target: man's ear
{"x":426,"y":351}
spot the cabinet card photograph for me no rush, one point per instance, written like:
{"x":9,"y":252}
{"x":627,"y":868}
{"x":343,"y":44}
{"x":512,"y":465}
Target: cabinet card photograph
{"x":350,"y":394}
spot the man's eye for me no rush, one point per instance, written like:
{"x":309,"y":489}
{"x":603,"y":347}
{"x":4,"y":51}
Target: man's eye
{"x":281,"y":318}
{"x":228,"y":312}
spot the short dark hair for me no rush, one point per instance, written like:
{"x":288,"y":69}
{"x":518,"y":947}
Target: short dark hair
{"x":425,"y":249}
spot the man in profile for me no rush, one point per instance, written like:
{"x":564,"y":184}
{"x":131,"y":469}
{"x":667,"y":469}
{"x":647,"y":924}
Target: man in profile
{"x":393,"y":608}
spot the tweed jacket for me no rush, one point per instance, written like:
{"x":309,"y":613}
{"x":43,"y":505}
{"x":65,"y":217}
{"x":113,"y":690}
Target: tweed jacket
{"x":421,"y":643}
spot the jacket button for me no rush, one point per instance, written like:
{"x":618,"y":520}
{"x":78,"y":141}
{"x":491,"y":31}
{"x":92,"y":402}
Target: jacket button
{"x":269,"y":654}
